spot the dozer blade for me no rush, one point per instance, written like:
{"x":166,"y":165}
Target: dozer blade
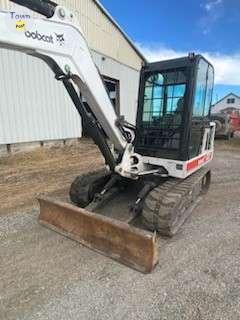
{"x":129,"y":245}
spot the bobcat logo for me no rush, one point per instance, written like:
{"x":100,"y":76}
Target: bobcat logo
{"x":60,"y":38}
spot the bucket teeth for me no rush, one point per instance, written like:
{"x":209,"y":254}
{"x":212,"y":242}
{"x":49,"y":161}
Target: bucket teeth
{"x":131,"y":246}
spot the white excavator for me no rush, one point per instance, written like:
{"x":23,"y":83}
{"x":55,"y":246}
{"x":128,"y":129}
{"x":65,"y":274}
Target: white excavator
{"x":156,"y":170}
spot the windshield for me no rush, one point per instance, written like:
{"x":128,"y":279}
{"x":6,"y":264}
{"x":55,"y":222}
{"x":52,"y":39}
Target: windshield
{"x":164,"y":95}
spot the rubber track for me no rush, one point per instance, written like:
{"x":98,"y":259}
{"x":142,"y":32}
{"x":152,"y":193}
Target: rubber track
{"x":168,"y":206}
{"x":86,"y":185}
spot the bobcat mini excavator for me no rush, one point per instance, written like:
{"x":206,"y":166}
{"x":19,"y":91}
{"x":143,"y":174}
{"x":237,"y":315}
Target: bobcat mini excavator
{"x":155,"y":171}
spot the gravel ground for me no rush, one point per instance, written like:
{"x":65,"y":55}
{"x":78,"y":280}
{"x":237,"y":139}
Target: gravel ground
{"x":46,"y":276}
{"x":26,"y":176}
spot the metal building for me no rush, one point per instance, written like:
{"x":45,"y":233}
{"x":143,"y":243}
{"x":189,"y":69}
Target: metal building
{"x":35,"y":107}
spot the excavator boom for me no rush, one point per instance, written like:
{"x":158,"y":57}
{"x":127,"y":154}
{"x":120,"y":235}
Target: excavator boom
{"x":60,"y":42}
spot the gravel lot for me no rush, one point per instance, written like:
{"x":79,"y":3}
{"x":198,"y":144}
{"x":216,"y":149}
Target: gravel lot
{"x":46,"y":276}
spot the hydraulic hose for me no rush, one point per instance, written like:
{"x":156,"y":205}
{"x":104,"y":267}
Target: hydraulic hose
{"x":43,"y":7}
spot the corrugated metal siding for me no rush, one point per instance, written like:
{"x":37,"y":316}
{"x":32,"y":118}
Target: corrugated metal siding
{"x":33,"y":105}
{"x":44,"y":111}
{"x":102,"y":35}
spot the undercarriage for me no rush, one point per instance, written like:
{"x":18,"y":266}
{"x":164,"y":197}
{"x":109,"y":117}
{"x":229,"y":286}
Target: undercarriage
{"x":122,"y":218}
{"x":162,"y":205}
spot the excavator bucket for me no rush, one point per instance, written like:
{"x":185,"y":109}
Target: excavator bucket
{"x":129,"y":245}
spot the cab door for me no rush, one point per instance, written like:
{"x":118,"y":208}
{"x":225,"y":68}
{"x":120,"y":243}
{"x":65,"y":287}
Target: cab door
{"x":201,"y":106}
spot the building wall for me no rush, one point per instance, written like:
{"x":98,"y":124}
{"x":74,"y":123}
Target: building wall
{"x":101,"y":34}
{"x":35,"y":107}
{"x":222,"y":104}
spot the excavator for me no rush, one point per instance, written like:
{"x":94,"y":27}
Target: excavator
{"x":155,"y":171}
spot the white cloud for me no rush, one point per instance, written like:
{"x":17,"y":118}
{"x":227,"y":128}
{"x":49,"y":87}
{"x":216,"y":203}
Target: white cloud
{"x":213,"y":12}
{"x":212,"y":5}
{"x":227,"y":67}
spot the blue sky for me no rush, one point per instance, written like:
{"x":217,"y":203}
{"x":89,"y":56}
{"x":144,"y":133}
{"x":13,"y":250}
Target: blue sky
{"x":165,"y":29}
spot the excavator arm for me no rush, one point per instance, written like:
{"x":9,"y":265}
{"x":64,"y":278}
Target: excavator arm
{"x":59,"y":41}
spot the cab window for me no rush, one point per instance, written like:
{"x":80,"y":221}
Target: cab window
{"x":164,"y":95}
{"x":201,"y":88}
{"x":210,"y":81}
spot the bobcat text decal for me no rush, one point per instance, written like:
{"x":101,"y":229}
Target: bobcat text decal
{"x":36,"y":35}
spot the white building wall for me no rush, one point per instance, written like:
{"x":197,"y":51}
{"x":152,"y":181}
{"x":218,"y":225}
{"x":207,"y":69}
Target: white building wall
{"x":222,"y":104}
{"x":33,"y":105}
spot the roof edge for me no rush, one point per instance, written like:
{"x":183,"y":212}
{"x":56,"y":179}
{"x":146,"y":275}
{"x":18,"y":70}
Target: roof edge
{"x":108,"y":15}
{"x":231,"y":93}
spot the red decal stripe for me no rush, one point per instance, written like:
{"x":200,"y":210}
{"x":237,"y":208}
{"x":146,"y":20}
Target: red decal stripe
{"x":193,"y":164}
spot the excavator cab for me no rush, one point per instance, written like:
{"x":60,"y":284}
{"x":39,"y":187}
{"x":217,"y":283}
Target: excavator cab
{"x":174,"y":108}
